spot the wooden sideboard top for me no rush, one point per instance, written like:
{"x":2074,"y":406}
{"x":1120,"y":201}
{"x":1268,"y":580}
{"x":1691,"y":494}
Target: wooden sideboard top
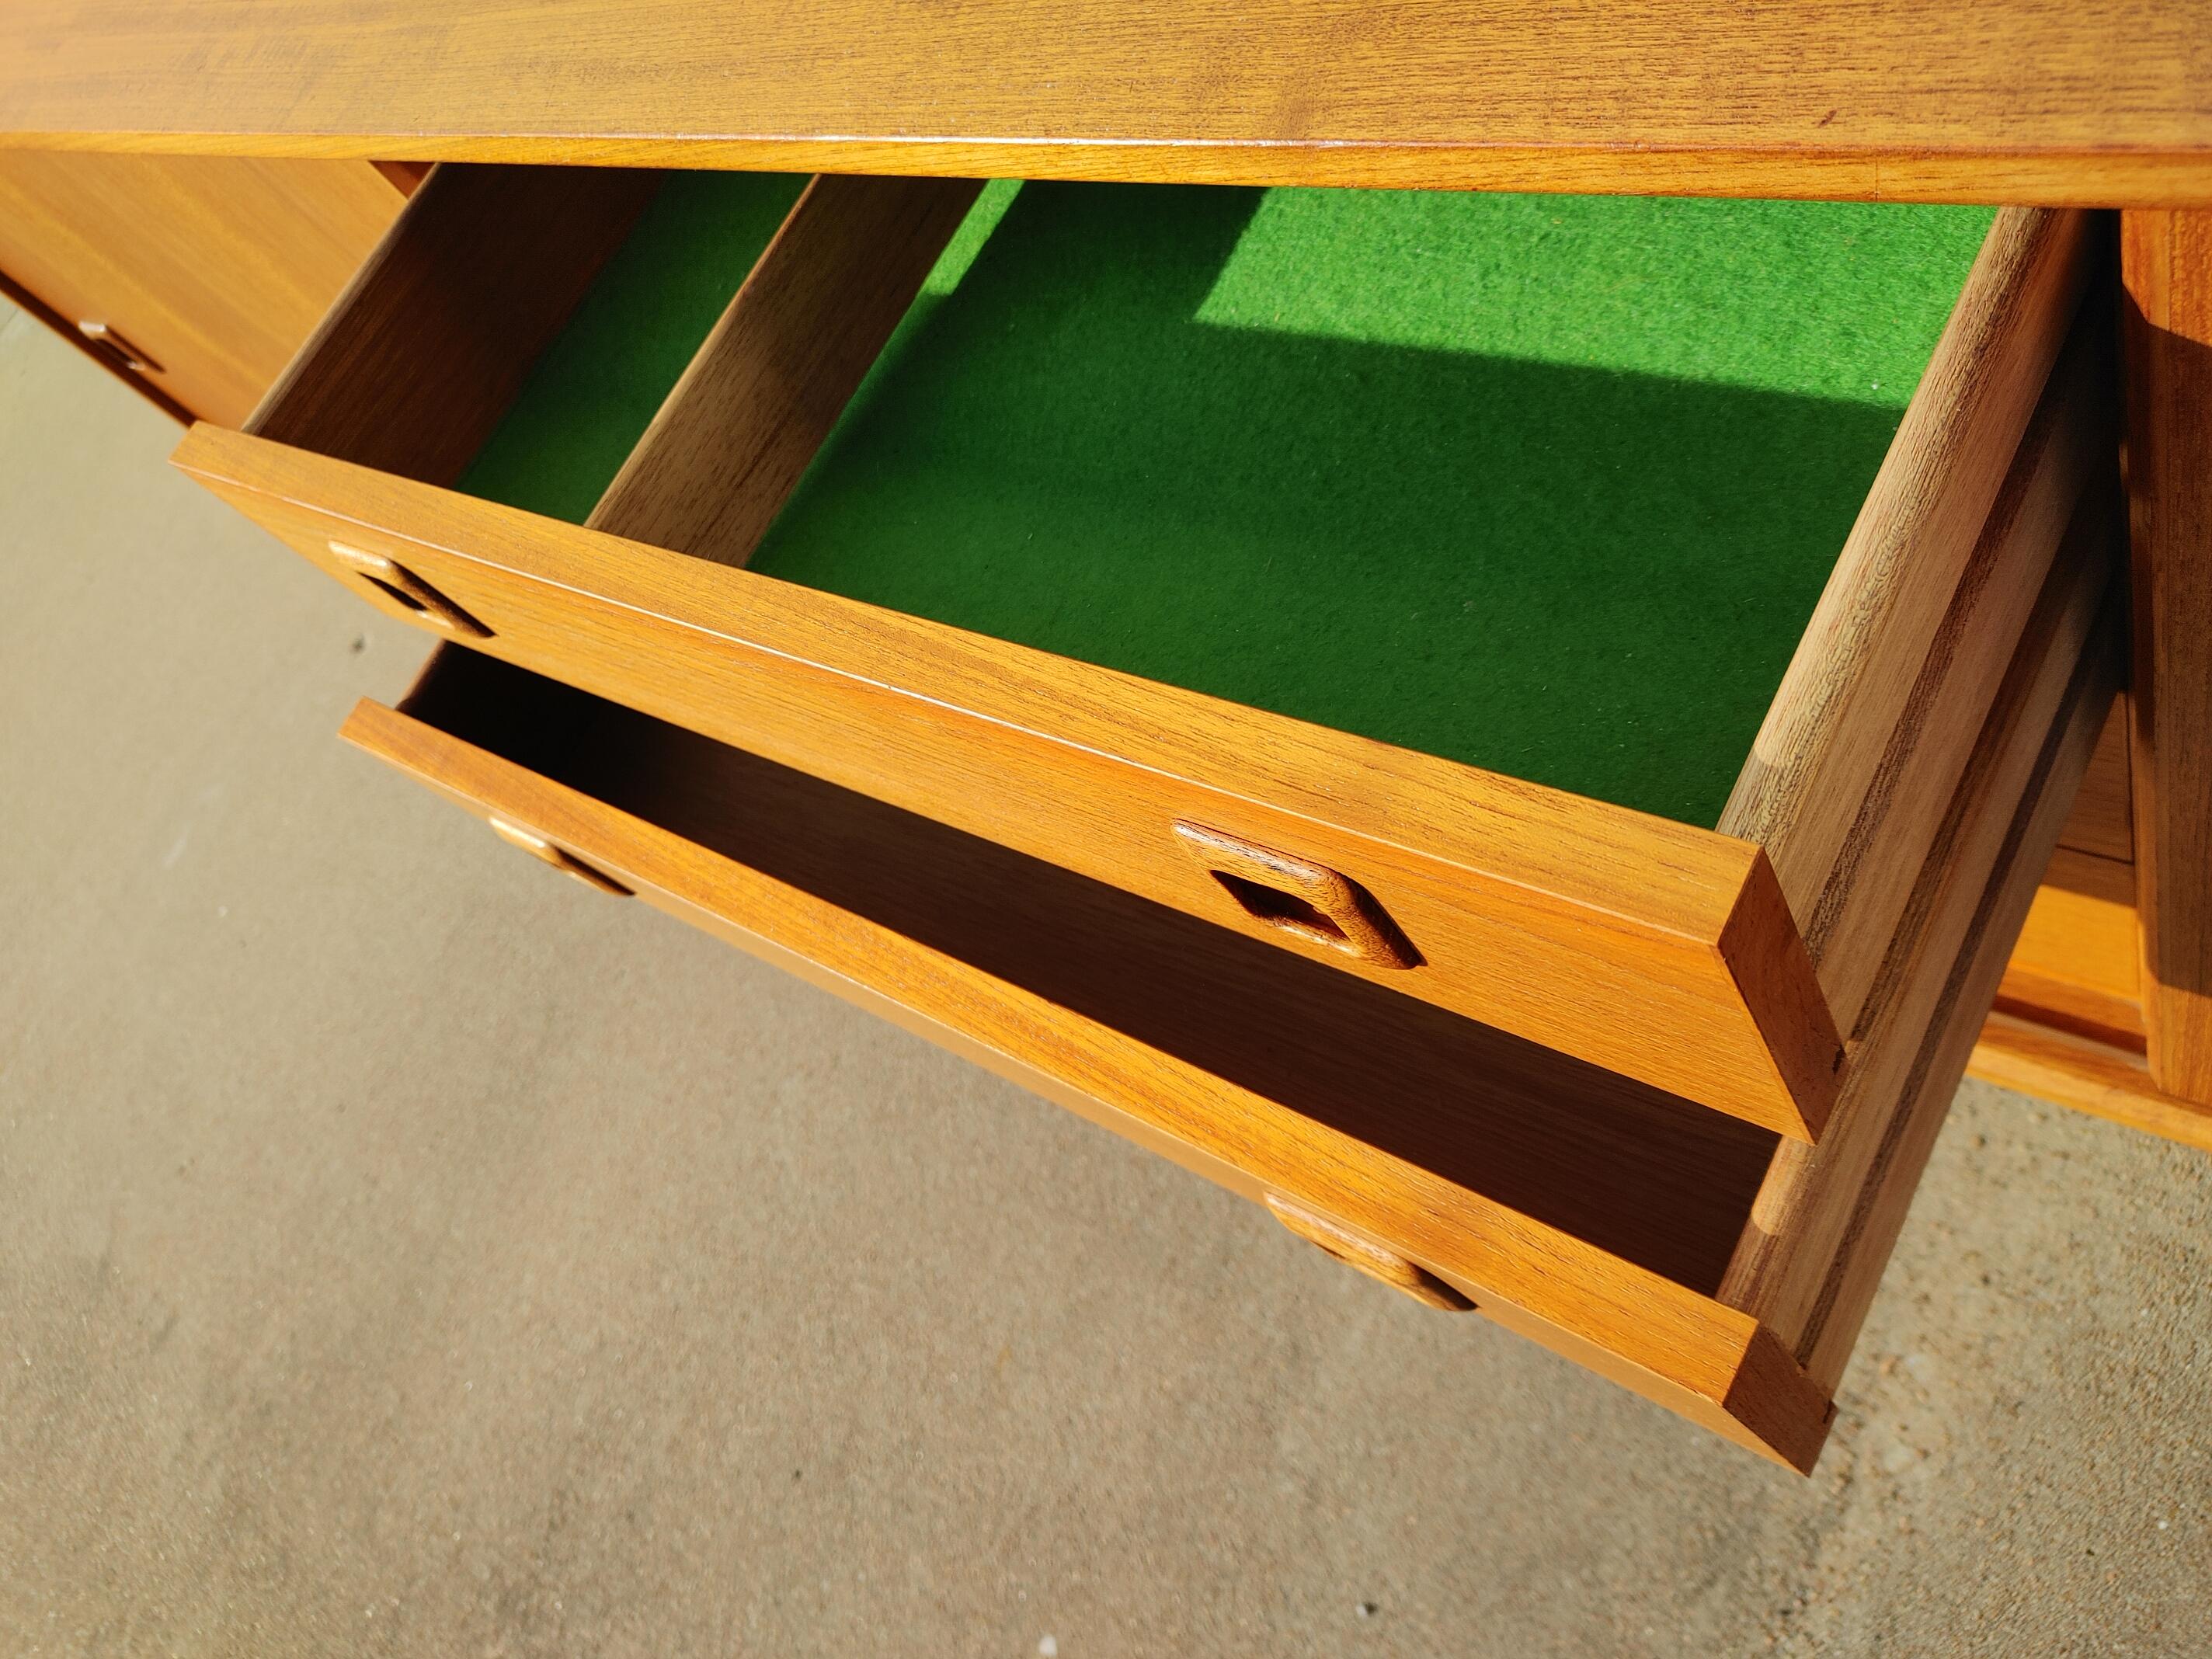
{"x":2091,"y":102}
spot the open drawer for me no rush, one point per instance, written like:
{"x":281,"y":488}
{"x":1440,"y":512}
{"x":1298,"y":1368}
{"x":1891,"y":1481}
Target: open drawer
{"x":1707,"y":1262}
{"x":1367,"y":572}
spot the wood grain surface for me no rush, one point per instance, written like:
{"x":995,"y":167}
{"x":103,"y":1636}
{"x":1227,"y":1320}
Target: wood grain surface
{"x":2088,"y":1076}
{"x":1825,"y":1344}
{"x":216,"y":268}
{"x":1827,"y":1216}
{"x":2102,"y":823}
{"x":2166,"y":264}
{"x":1656,"y":949}
{"x":736,"y":430}
{"x":420,"y":356}
{"x":2078,"y":965}
{"x":1563,"y":1201}
{"x":1856,"y":763}
{"x":20,"y":297}
{"x":2086,"y":873}
{"x":2060,"y":101}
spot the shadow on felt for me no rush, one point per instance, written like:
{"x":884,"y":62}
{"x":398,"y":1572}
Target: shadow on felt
{"x":1588,"y":579}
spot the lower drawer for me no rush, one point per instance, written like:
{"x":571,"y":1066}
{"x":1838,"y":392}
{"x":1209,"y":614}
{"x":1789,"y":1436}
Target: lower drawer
{"x":1706,"y":1262}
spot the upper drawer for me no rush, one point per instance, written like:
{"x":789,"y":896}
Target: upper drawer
{"x":1519,"y":603}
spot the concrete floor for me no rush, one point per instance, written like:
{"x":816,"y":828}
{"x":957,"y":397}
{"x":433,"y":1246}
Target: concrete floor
{"x":403,"y":1251}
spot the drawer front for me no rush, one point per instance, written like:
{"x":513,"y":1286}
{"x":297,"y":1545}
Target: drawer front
{"x":1398,"y":1217}
{"x":1649,"y":948}
{"x":198,"y":276}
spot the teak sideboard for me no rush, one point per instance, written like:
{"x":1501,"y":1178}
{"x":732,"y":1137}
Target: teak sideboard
{"x":1519,"y":637}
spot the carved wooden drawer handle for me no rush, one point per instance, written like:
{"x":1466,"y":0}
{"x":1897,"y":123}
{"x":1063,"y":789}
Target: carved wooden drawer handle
{"x":112,"y":346}
{"x":1378,"y":1263}
{"x":395,"y":582}
{"x":566,"y":862}
{"x":1296,"y":896}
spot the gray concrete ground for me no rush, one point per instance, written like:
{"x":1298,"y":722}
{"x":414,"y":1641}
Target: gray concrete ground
{"x":403,"y":1251}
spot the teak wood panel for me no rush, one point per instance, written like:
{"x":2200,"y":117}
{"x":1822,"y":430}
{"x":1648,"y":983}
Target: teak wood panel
{"x":1824,"y":1343}
{"x":1667,"y":1340}
{"x":214,"y":269}
{"x":2078,"y":965}
{"x":1852,"y":769}
{"x":2079,"y":1072}
{"x":2102,"y":824}
{"x":729,"y":443}
{"x":1650,"y":948}
{"x":420,"y":356}
{"x":108,"y":362}
{"x":2074,"y":872}
{"x":2078,"y":102}
{"x":1828,"y":1215}
{"x":2167,"y":266}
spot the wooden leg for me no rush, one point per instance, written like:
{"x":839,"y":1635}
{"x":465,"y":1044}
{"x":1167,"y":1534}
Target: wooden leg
{"x":2167,"y":269}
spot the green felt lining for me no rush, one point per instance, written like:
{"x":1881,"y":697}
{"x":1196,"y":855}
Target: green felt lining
{"x":593,"y":391}
{"x":1549,"y":485}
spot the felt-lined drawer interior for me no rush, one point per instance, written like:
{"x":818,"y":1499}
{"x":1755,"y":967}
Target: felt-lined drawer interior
{"x":1704,"y":1261}
{"x":1548,"y":486}
{"x":1599,"y":597}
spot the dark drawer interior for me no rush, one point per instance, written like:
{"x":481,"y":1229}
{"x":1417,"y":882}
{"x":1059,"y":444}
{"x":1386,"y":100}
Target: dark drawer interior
{"x":1628,"y":1167}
